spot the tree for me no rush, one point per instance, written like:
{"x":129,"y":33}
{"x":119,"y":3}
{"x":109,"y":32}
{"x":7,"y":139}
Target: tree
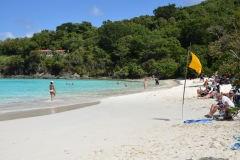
{"x":236,"y":20}
{"x":122,"y":47}
{"x":10,"y":47}
{"x":32,"y":62}
{"x":44,"y":39}
{"x":165,"y":68}
{"x":102,"y":59}
{"x":67,"y":27}
{"x":15,"y":65}
{"x":75,"y":62}
{"x":226,"y":51}
{"x":110,"y":32}
{"x":165,"y":11}
{"x":135,"y":70}
{"x":194,"y":31}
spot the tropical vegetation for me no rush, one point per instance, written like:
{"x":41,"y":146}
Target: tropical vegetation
{"x":137,"y":47}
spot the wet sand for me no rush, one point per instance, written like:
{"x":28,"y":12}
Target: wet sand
{"x":42,"y":112}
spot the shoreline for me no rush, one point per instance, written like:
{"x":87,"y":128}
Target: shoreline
{"x":58,"y":109}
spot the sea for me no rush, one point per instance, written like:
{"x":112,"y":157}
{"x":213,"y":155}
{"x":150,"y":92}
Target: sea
{"x":33,"y":94}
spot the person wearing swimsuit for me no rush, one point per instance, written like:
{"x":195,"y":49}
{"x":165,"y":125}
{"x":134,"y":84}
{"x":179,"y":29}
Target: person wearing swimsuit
{"x":156,"y":82}
{"x":52,"y":90}
{"x":145,"y":84}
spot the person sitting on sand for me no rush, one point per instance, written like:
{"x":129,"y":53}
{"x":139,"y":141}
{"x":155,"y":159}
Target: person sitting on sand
{"x":207,"y":85}
{"x":202,"y":93}
{"x":216,"y":84}
{"x":226,"y":103}
{"x":230,"y":95}
{"x":210,"y":94}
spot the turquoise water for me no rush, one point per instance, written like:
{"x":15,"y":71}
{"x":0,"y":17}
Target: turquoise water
{"x":30,"y":94}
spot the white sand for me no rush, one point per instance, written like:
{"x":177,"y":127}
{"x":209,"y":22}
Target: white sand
{"x":147,"y":125}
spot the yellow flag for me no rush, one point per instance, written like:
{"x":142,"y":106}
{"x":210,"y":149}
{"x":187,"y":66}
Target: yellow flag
{"x":195,"y":64}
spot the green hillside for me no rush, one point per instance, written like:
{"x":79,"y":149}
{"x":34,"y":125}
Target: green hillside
{"x":133,"y":48}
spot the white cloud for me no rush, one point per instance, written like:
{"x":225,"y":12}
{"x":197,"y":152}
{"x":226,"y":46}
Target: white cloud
{"x":96,"y":11}
{"x":6,"y":35}
{"x":29,"y":35}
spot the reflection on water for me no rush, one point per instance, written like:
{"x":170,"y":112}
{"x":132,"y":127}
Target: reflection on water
{"x":53,"y":110}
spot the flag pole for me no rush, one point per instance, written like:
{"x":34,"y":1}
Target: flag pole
{"x":185,"y":81}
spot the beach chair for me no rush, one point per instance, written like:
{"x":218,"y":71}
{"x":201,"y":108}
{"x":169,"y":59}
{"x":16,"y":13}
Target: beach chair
{"x":236,"y":96}
{"x":237,"y":100}
{"x":230,"y":114}
{"x":234,"y":112}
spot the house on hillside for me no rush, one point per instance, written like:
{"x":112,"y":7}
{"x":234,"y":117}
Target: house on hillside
{"x":50,"y":53}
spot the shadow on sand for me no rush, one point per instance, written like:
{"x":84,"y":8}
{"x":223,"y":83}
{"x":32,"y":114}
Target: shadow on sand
{"x":161,"y":119}
{"x":212,"y":158}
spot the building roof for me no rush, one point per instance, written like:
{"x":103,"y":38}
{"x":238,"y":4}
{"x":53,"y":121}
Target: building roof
{"x":45,"y":51}
{"x":58,"y":51}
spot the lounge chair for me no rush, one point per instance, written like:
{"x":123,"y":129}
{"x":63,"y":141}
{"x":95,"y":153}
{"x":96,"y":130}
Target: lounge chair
{"x":236,"y":96}
{"x":237,"y":100}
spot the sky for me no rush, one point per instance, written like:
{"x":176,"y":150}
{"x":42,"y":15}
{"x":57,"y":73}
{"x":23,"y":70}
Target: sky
{"x":23,"y":18}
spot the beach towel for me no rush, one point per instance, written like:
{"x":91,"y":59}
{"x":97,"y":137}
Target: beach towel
{"x":198,"y":121}
{"x":235,"y":146}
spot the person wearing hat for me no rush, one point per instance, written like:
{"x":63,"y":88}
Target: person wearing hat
{"x":223,"y":106}
{"x":52,"y":90}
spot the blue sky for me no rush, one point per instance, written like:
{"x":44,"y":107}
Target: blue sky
{"x":22,"y":18}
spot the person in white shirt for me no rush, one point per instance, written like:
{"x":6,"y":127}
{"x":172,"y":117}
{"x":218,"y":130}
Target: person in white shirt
{"x":223,"y":106}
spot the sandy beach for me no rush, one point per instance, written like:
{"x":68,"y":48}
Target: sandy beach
{"x":146,"y":125}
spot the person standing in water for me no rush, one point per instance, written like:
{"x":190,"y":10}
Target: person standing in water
{"x":145,"y":84}
{"x":156,"y":82}
{"x":52,"y":90}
